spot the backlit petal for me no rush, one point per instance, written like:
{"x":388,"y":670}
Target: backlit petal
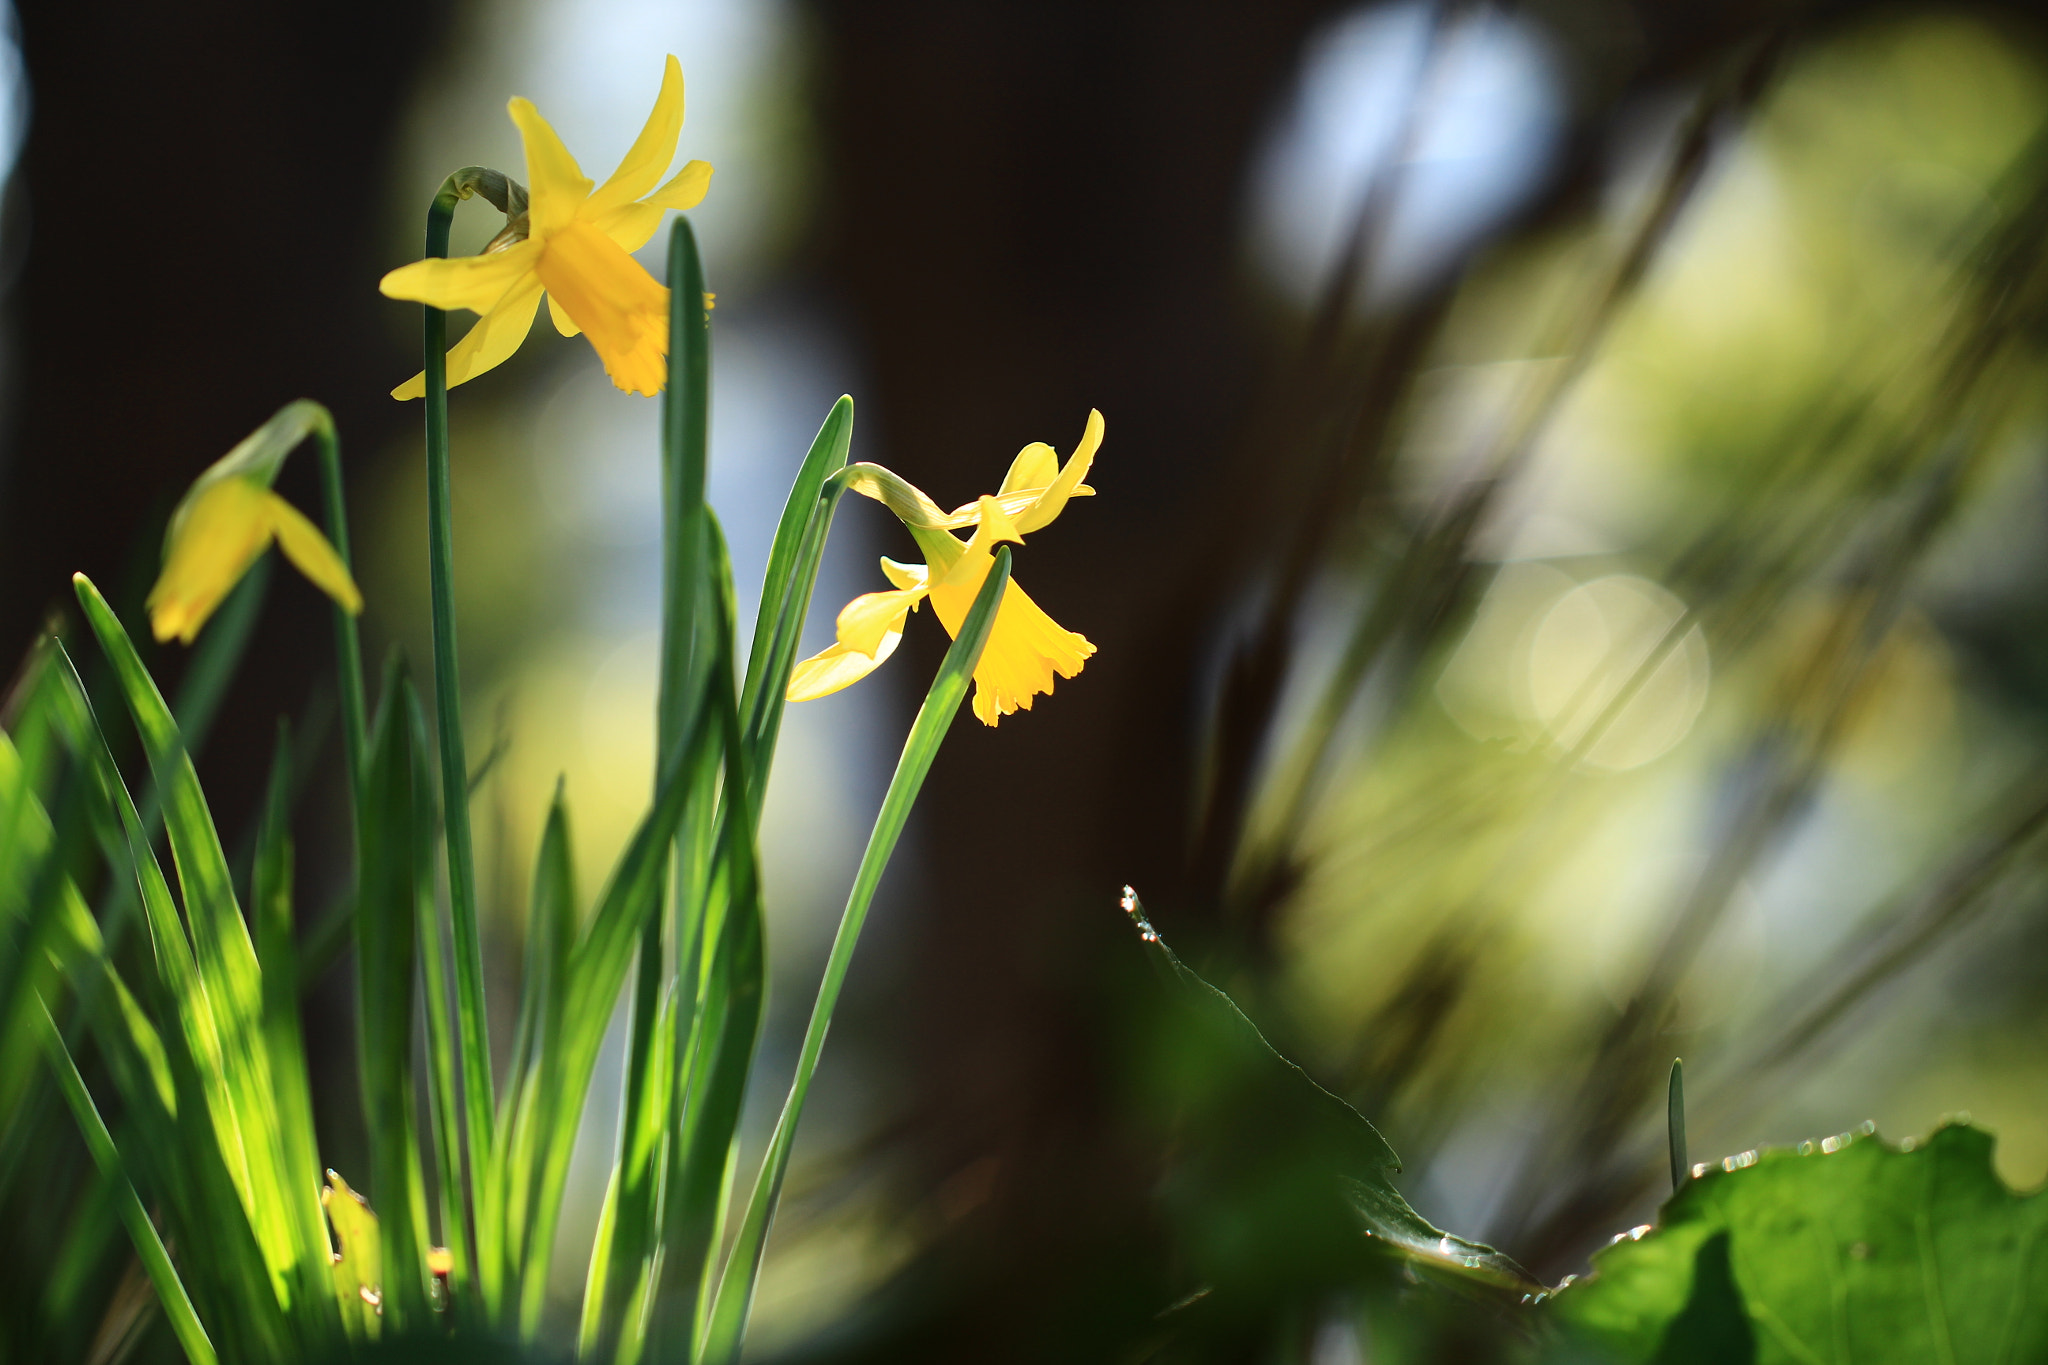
{"x":1068,"y":484}
{"x":870,"y":618}
{"x":490,"y":343}
{"x":905,"y":575}
{"x":838,"y":667}
{"x":304,"y":546}
{"x":686,"y":190}
{"x":632,"y":225}
{"x":472,"y":282}
{"x":556,"y":185}
{"x":651,"y":151}
{"x":1035,"y":467}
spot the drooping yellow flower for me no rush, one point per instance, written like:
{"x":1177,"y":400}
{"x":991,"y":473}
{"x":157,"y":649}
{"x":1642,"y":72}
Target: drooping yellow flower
{"x":1026,"y":647}
{"x":228,"y":518}
{"x":576,"y":251}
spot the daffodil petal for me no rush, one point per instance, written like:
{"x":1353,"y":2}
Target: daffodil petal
{"x":490,"y":343}
{"x":1025,"y":649}
{"x":1035,"y":467}
{"x":472,"y":282}
{"x":564,"y":324}
{"x":622,"y":309}
{"x":630,"y":225}
{"x":995,"y":525}
{"x":304,"y":546}
{"x":837,"y":667}
{"x":685,"y":190}
{"x":556,"y":185}
{"x":651,"y":151}
{"x":223,"y":532}
{"x":1068,"y":484}
{"x":905,"y":575}
{"x":866,"y":621}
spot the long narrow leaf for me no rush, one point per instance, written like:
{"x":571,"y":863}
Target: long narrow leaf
{"x":386,"y":923}
{"x":277,"y":951}
{"x":222,"y":951}
{"x":594,"y":973}
{"x":718,"y":1020}
{"x":727,"y":1323}
{"x":791,"y":578}
{"x":163,"y":1276}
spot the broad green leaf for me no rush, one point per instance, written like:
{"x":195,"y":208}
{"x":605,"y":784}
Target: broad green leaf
{"x":1852,"y":1251}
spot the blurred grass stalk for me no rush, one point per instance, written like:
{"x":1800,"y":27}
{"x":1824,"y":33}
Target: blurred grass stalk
{"x":1899,"y":431}
{"x":193,"y":1089}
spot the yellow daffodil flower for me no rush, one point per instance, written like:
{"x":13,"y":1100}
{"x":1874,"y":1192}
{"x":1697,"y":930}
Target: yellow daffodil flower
{"x":228,"y":518}
{"x":576,"y":251}
{"x":1026,"y":647}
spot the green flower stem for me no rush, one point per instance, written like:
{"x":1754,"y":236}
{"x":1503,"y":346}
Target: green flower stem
{"x":469,"y":971}
{"x":348,"y":646}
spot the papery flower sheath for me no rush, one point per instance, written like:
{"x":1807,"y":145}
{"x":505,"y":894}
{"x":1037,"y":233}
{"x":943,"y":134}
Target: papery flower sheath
{"x":1026,"y":647}
{"x":576,"y":251}
{"x":228,"y":518}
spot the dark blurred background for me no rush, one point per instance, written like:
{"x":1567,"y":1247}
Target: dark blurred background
{"x":1566,"y":570}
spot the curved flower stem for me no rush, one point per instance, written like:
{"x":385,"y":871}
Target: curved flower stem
{"x":472,"y":1036}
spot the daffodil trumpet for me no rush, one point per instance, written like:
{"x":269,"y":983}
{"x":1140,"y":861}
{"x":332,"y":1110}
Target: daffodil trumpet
{"x":573,"y":246}
{"x":230,"y":516}
{"x":1026,"y":648}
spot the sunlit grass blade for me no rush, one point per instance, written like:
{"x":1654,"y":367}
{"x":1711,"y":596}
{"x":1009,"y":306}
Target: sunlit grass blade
{"x":727,"y":1322}
{"x":163,"y":1276}
{"x":396,"y":874}
{"x":550,"y":937}
{"x":786,"y":588}
{"x":221,"y":949}
{"x":204,"y":1163}
{"x":593,"y":974}
{"x":277,"y":952}
{"x":717,"y":1019}
{"x":620,"y":1270}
